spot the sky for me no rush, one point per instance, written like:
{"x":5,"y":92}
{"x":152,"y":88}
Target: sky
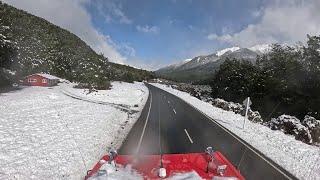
{"x":150,"y":34}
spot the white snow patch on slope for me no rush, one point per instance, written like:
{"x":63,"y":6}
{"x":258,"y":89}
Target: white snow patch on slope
{"x":262,"y":48}
{"x":179,"y":63}
{"x":223,"y":51}
{"x":48,"y":135}
{"x":301,"y":159}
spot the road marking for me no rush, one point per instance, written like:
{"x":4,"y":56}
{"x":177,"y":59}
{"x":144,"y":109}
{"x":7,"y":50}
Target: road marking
{"x":188,"y":136}
{"x":174,"y":111}
{"x":168,"y":101}
{"x":242,"y":142}
{"x":160,"y":150}
{"x":226,"y":130}
{"x":145,"y":125}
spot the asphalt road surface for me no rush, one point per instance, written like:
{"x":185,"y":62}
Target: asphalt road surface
{"x":170,"y":125}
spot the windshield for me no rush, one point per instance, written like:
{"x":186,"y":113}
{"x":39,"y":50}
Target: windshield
{"x":165,"y":79}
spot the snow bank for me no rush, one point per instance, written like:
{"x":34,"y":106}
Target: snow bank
{"x":122,"y":95}
{"x":299,"y":158}
{"x":46,"y":134}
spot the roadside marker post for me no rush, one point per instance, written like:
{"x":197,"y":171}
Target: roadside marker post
{"x":247,"y":103}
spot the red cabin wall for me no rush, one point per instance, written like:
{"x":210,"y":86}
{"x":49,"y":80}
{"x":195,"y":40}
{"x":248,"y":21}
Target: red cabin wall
{"x":38,"y":83}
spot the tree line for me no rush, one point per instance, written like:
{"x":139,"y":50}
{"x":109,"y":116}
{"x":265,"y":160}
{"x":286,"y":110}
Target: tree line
{"x":284,"y":81}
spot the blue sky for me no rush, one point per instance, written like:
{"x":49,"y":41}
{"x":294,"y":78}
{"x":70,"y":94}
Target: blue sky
{"x":153,"y":33}
{"x":171,"y":30}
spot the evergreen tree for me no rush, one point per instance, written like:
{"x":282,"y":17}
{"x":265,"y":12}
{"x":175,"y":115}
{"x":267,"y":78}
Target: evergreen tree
{"x":7,"y":54}
{"x":286,"y":80}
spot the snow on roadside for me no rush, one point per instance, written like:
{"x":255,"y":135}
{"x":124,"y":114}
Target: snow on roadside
{"x":48,"y":135}
{"x":111,"y":96}
{"x":301,"y":159}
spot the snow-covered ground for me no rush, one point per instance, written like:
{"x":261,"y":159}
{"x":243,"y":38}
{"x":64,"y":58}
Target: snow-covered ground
{"x":300,"y":159}
{"x":60,"y":132}
{"x":120,"y":94}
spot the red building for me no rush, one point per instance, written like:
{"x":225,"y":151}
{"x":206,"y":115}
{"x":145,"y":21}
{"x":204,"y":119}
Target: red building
{"x":41,"y":80}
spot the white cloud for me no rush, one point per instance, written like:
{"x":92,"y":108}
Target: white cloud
{"x":127,"y":50}
{"x":212,"y":36}
{"x":148,"y":64}
{"x":282,"y":21}
{"x":112,"y":12}
{"x":148,"y":29}
{"x":226,"y":37}
{"x":190,"y":27}
{"x":71,"y":15}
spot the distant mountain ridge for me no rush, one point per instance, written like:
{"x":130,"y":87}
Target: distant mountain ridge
{"x":202,"y":67}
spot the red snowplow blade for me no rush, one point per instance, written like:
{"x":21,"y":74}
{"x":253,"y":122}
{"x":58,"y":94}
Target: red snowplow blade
{"x":148,"y":165}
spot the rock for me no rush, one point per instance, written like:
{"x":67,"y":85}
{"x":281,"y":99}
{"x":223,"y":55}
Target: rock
{"x":314,"y":127}
{"x":254,"y":116}
{"x":291,"y":125}
{"x":220,"y":103}
{"x":237,"y":108}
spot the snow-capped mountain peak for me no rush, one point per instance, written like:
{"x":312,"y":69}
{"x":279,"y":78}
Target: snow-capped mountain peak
{"x":179,"y":63}
{"x":187,"y":60}
{"x":262,"y":48}
{"x":223,"y":51}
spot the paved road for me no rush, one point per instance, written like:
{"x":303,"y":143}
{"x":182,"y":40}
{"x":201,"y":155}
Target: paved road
{"x":170,"y":125}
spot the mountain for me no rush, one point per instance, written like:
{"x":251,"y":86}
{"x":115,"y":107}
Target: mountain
{"x":202,"y":67}
{"x":261,"y":48}
{"x":174,"y":66}
{"x":223,"y":51}
{"x":35,"y":45}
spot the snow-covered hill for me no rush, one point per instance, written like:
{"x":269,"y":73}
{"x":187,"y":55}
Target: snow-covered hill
{"x":60,"y":132}
{"x":39,"y":46}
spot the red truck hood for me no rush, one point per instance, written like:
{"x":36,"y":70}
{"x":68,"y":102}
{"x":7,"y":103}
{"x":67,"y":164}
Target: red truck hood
{"x":148,"y":165}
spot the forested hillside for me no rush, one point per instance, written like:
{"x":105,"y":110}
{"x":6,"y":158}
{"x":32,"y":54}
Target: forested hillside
{"x":286,"y":80}
{"x":29,"y":44}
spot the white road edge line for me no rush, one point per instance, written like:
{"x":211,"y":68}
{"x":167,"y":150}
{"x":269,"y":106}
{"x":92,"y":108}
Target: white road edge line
{"x":188,"y":136}
{"x":145,"y":125}
{"x":225,"y":129}
{"x":228,"y":131}
{"x":174,"y":110}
